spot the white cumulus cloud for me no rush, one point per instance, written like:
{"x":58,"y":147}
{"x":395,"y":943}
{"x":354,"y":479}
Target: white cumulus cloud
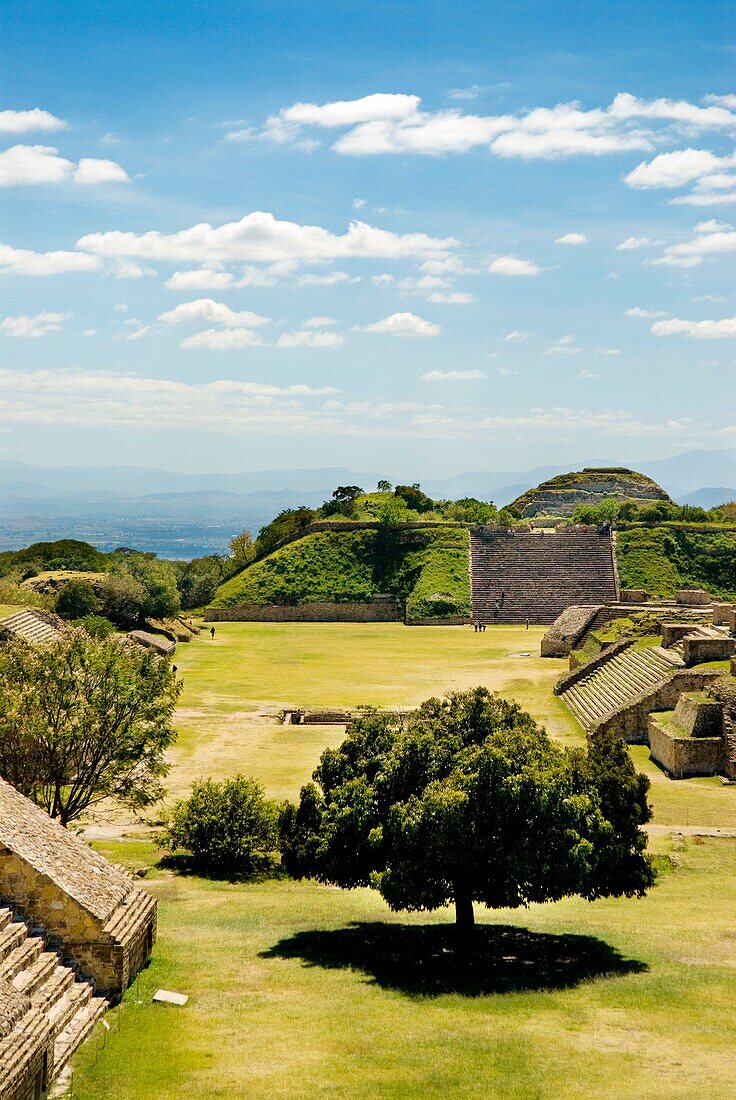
{"x":512,"y":265}
{"x":24,"y":261}
{"x":701,"y":330}
{"x":91,"y":171}
{"x":572,"y":238}
{"x":260,"y":237}
{"x":39,"y":325}
{"x":452,"y":375}
{"x":23,"y":122}
{"x":207,"y":311}
{"x":403,"y":324}
{"x":308,"y":338}
{"x":222,"y":339}
{"x":37,"y":164}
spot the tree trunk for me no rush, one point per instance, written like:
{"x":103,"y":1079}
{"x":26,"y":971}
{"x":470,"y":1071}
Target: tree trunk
{"x":464,"y":918}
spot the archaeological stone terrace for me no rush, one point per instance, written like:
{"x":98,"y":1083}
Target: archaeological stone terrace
{"x":51,"y":877}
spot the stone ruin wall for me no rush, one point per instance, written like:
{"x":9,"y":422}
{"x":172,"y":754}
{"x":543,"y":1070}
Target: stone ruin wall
{"x":631,"y":723}
{"x":685,"y":756}
{"x":101,"y":954}
{"x":374,"y":611}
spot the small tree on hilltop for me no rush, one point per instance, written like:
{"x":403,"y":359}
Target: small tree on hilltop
{"x":241,"y":548}
{"x":470,"y":801}
{"x":383,"y":486}
{"x":84,"y":719}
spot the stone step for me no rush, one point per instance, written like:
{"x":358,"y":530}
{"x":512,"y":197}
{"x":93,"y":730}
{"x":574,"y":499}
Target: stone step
{"x":22,"y":957}
{"x":77,"y":1030}
{"x":11,"y":937}
{"x":33,"y":977}
{"x":71,"y":1001}
{"x":54,"y":988}
{"x":6,"y":916}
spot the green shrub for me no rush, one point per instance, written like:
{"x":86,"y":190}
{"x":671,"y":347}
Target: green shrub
{"x":76,"y":599}
{"x":228,"y":827}
{"x":122,"y":600}
{"x":97,"y":626}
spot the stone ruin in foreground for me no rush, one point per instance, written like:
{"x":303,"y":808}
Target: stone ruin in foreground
{"x":74,"y":931}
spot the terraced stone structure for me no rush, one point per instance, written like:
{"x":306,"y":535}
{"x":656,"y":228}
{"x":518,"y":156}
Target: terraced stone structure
{"x":35,"y":626}
{"x":26,"y":1043}
{"x":561,"y":495}
{"x":537,"y":575}
{"x":692,"y":739}
{"x":88,"y":909}
{"x":620,"y":687}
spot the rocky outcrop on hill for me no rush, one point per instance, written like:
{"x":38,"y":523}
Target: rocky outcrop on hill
{"x":561,"y":495}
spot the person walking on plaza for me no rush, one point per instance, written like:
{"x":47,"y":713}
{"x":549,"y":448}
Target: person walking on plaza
{"x":212,"y":633}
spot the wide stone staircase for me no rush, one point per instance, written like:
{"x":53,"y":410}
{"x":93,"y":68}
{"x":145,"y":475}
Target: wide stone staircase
{"x":614,"y":685}
{"x":53,"y":985}
{"x":537,"y":575}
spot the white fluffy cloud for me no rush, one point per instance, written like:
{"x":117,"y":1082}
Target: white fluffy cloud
{"x":319,"y":322}
{"x":220,"y":339}
{"x":675,"y":169}
{"x":512,"y":265}
{"x":647,"y":314}
{"x":23,"y":122}
{"x":701,"y":330}
{"x":199,"y":279}
{"x":90,"y":171}
{"x":566,"y":345}
{"x":39,"y":325}
{"x":390,"y":123}
{"x":260,"y":238}
{"x":572,"y":238}
{"x":23,"y":261}
{"x":29,"y":164}
{"x":403,"y":324}
{"x":713,"y":239}
{"x":452,"y":375}
{"x":634,"y":242}
{"x":308,"y":338}
{"x":208,"y":312}
{"x":35,"y":164}
{"x":451,"y":297}
{"x":371,"y":108}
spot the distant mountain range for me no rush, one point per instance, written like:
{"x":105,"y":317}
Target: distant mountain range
{"x":183,"y":515}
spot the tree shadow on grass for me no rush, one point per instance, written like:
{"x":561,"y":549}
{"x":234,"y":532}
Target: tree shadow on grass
{"x":180,"y":863}
{"x":424,"y":960}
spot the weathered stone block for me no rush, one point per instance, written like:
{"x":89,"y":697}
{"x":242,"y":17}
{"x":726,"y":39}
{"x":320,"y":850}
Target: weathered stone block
{"x":697,"y":715}
{"x":683,"y":756}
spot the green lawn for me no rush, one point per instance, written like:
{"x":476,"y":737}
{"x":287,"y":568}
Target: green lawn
{"x":300,"y":990}
{"x":290,"y":997}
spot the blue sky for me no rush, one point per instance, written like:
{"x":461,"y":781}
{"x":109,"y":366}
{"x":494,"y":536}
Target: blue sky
{"x":414,"y":237}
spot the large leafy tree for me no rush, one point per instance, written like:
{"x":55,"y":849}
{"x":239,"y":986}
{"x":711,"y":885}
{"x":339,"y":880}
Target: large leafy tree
{"x":468,"y":800}
{"x":84,"y":719}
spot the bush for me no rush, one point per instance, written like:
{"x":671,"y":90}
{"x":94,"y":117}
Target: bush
{"x":122,"y":600}
{"x":97,"y":626}
{"x":229,"y":827}
{"x":75,"y":600}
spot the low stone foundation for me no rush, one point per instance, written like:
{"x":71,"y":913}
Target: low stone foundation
{"x":696,"y":651}
{"x":683,"y":756}
{"x":721,"y":613}
{"x":693,"y":597}
{"x":378,"y":610}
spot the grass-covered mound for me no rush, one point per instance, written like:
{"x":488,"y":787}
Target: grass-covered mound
{"x":662,"y":560}
{"x":562,"y":495}
{"x":427,"y":568}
